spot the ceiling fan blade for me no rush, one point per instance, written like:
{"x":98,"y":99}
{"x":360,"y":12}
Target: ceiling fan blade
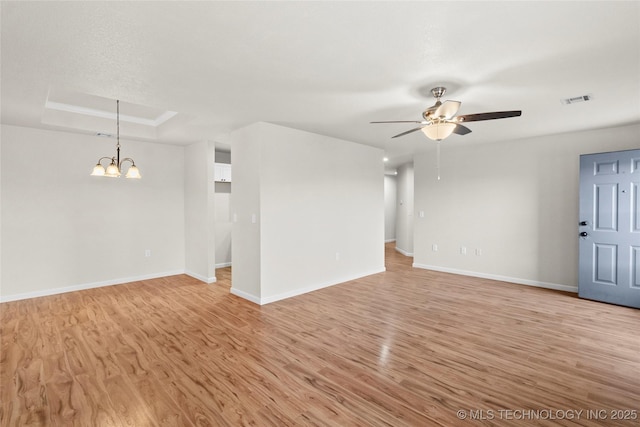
{"x":409,"y":131}
{"x":461,"y":130}
{"x":402,"y":121}
{"x":447,"y":109}
{"x":488,"y":116}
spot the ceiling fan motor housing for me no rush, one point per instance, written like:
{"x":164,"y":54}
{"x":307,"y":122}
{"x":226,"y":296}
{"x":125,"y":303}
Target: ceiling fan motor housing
{"x":438,"y":91}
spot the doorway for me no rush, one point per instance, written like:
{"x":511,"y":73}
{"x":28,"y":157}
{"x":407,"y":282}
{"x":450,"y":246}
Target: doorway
{"x":609,"y":228}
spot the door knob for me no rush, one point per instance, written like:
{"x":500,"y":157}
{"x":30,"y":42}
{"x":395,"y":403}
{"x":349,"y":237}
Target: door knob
{"x":583,"y":223}
{"x":584,"y":234}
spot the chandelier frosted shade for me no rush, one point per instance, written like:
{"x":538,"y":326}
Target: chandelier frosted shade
{"x":114,"y":168}
{"x":439,"y":131}
{"x":133,"y":172}
{"x":98,"y":170}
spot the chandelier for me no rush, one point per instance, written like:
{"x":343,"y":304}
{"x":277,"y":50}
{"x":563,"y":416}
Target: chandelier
{"x":114,"y":169}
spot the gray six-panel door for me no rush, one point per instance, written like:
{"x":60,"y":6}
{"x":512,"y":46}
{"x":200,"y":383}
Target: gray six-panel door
{"x":609,"y":228}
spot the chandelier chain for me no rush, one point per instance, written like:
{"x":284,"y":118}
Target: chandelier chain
{"x":118,"y":121}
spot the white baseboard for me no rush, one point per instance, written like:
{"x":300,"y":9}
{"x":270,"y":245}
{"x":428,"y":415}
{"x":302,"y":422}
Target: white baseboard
{"x":242,"y":294}
{"x":403,"y":252}
{"x":307,"y":289}
{"x":547,"y":285}
{"x":300,"y":291}
{"x":223,"y":265}
{"x":85,"y":286}
{"x":200,"y":277}
{"x":390,"y":240}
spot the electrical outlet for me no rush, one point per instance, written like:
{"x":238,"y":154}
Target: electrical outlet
{"x":463,"y":250}
{"x":434,"y":247}
{"x":478,"y":251}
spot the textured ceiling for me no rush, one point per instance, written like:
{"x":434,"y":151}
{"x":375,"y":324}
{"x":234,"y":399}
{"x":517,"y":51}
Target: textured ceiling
{"x":325,"y":67}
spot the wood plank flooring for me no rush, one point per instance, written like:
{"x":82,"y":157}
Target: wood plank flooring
{"x":407,"y":347}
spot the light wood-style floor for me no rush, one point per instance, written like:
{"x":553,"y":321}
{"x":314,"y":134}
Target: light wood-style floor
{"x":405,"y":347}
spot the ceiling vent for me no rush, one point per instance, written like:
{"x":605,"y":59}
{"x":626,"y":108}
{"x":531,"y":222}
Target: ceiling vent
{"x":577,"y":99}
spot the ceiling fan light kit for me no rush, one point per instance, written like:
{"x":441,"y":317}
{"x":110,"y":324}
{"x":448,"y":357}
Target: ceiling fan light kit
{"x":439,"y":131}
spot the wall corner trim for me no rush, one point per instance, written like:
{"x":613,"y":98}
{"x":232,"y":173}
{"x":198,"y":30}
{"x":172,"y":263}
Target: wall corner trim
{"x":318,"y":286}
{"x":201,"y":277}
{"x":403,"y":252}
{"x":527,"y":282}
{"x":242,"y":294}
{"x":284,"y":295}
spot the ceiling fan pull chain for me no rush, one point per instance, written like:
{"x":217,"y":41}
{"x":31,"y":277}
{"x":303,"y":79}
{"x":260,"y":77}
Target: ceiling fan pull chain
{"x":438,"y":159}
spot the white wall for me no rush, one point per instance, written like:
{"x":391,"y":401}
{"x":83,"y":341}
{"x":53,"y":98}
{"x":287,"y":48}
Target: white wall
{"x":320,"y":209}
{"x":390,"y":201}
{"x":63,"y":229}
{"x":405,"y":202}
{"x":517,"y":202}
{"x":199,"y":212}
{"x":245,"y":204}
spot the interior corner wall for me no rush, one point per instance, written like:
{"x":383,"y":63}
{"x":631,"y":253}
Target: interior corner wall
{"x":322,"y":211}
{"x":513,"y":206}
{"x":64,"y":230}
{"x":199,"y":211}
{"x":404,"y":209}
{"x":390,"y":200}
{"x":319,"y":206}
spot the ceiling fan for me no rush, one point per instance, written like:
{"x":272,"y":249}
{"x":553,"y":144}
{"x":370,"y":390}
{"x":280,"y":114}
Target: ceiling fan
{"x":440,"y":119}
